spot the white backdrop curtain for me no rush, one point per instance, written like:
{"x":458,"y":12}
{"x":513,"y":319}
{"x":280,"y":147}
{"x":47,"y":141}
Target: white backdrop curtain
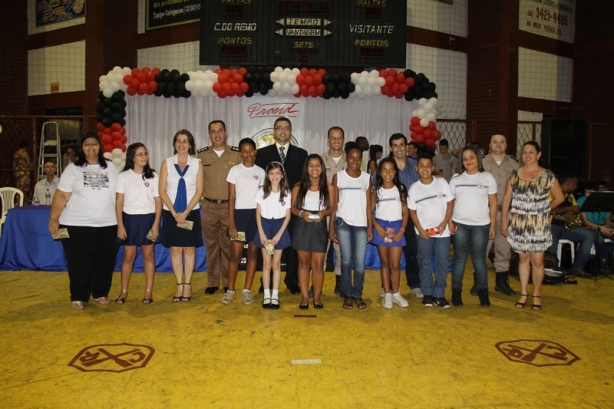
{"x":154,"y":120}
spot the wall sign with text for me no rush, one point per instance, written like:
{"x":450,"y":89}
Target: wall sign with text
{"x":56,"y":11}
{"x":549,"y":18}
{"x":340,"y":33}
{"x":167,"y":13}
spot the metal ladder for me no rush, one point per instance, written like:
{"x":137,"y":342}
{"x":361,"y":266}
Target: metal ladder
{"x":50,"y":148}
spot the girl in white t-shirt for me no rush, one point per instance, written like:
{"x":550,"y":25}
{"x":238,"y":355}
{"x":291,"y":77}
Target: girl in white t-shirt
{"x":473,"y":222}
{"x":389,"y":217}
{"x":244,"y":180}
{"x":138,"y":208}
{"x":273,"y":203}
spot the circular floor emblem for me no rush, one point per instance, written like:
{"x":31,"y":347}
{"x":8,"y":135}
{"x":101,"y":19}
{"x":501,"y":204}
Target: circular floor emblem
{"x":537,"y":352}
{"x":112,"y":358}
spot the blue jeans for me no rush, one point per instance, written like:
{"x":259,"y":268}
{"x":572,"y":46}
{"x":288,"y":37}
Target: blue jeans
{"x":581,"y":236}
{"x":440,"y":249}
{"x":472,"y":239}
{"x":353,"y":244}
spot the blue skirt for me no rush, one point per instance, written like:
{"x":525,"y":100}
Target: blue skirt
{"x":395,"y":225}
{"x":137,"y":226}
{"x":173,"y":236}
{"x":271,"y":227}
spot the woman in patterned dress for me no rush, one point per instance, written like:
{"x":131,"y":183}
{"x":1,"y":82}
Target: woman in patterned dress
{"x":526,"y":198}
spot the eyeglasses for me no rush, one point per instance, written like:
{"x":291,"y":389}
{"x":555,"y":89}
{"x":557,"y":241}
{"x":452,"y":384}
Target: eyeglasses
{"x":140,"y":155}
{"x":283,"y":128}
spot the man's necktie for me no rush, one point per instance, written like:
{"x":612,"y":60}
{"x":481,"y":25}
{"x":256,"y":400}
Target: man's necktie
{"x":282,"y":157}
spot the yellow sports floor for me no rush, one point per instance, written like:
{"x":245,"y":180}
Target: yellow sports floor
{"x":204,"y":354}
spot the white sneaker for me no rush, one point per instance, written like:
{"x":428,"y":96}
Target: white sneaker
{"x":417,"y":292}
{"x":382,"y":293}
{"x":247,"y":298}
{"x":228,"y":297}
{"x":397,"y":298}
{"x":387,"y":301}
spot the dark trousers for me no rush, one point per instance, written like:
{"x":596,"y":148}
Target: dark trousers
{"x":90,"y":255}
{"x":411,"y":256}
{"x":291,"y":279}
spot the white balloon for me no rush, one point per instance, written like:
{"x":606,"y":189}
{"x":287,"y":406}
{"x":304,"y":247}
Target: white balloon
{"x":286,"y":88}
{"x":117,"y":153}
{"x":102,"y":79}
{"x":117,"y":70}
{"x":431,"y":116}
{"x":117,"y":162}
{"x":279,"y":70}
{"x":277,"y":86}
{"x":126,"y":71}
{"x":421,"y":113}
{"x":115,"y":86}
{"x":295,"y":89}
{"x":108,"y":92}
{"x":296,"y":72}
{"x":274,"y":76}
{"x":283,"y":77}
{"x":433,"y":101}
{"x":374,"y":73}
{"x":422,"y":101}
{"x":287,"y":71}
{"x":424,"y":122}
{"x":108,"y":155}
{"x":428,"y":107}
{"x":381,"y":81}
{"x":372,"y":80}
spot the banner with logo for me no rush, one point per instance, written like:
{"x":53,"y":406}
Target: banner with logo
{"x":549,"y":18}
{"x":258,"y":114}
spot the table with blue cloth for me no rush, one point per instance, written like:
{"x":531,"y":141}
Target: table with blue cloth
{"x":26,"y":244}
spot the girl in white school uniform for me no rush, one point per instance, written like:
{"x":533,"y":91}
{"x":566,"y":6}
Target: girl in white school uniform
{"x":389,"y":217}
{"x":273,"y":203}
{"x":138,"y":208}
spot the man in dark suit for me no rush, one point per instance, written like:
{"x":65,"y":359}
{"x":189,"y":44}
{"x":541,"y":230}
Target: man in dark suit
{"x":293,"y":159}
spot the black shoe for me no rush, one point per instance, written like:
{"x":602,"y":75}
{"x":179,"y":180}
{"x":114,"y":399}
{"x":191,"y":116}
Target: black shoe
{"x":318,"y":305}
{"x":211,"y":290}
{"x":441,"y":302}
{"x":457,"y":299}
{"x":427,"y":301}
{"x":484,"y":300}
{"x":266,"y":303}
{"x":275,"y":304}
{"x":303,"y":306}
{"x":294,"y":290}
{"x":502,"y":284}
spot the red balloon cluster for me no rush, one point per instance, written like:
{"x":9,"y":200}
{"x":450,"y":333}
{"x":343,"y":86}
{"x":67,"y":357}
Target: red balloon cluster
{"x":142,"y":81}
{"x":112,"y":137}
{"x":420,"y":134}
{"x":230,"y":82}
{"x":310,"y":83}
{"x":396,"y":84}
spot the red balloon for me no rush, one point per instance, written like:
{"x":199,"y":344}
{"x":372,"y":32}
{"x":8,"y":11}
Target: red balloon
{"x":418,"y":138}
{"x":304,"y":72}
{"x":389,"y":80}
{"x":312,"y":91}
{"x":226,"y":87}
{"x":304,"y":90}
{"x":242,"y":70}
{"x":128,"y":79}
{"x":152,"y":86}
{"x":235,"y":87}
{"x":383,"y":73}
{"x":107,"y":148}
{"x":115,"y":126}
{"x":395,"y":87}
{"x":124,"y":139}
{"x":123,"y":148}
{"x":122,"y":130}
{"x":415,"y":120}
{"x":393,"y":72}
{"x":142,"y":88}
{"x":312,"y":72}
{"x":321,"y":72}
{"x":430,"y":143}
{"x":156,"y":70}
{"x":309,"y":81}
{"x":432,"y":125}
{"x":398,"y":94}
{"x":106,"y":139}
{"x":217,"y":87}
{"x":400,"y":78}
{"x":419,"y":129}
{"x":135,"y":83}
{"x":403,"y":87}
{"x":222,"y":78}
{"x":321,"y":88}
{"x":107,"y":130}
{"x":146,"y":70}
{"x":317,"y":79}
{"x":427,"y":133}
{"x":221,"y":94}
{"x":300,"y":79}
{"x":238,"y":77}
{"x":142,"y":77}
{"x":436,"y":134}
{"x":410,"y":82}
{"x":135,"y":72}
{"x":117,"y":144}
{"x":99,"y":126}
{"x":116,"y":136}
{"x":244,"y":87}
{"x":131,"y":90}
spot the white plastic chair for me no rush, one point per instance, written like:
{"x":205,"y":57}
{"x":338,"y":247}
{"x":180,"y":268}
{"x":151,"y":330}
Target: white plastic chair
{"x":559,"y":250}
{"x":7,"y":201}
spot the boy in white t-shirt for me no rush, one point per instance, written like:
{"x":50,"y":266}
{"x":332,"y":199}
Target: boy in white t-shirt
{"x":430,"y":208}
{"x":244,"y":180}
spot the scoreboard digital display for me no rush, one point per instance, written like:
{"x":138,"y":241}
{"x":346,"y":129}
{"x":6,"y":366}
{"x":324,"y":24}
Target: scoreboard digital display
{"x":325,"y":33}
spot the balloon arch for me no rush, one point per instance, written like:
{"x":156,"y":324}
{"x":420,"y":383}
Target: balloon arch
{"x":247,"y":81}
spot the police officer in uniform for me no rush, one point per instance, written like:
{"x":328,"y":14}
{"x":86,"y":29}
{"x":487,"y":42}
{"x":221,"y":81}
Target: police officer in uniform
{"x":217,"y":160}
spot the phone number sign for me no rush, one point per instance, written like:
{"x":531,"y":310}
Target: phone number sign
{"x":350,"y":33}
{"x":549,"y":18}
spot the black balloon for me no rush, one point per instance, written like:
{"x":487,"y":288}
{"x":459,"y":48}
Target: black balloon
{"x":99,"y":107}
{"x":106,"y":121}
{"x":116,"y":107}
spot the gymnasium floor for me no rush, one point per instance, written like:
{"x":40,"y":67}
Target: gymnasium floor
{"x":203,"y":354}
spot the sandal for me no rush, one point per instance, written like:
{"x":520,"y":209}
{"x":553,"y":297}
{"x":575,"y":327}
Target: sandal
{"x":536,"y":307}
{"x":184,"y":298}
{"x":360,"y":304}
{"x":177,"y":298}
{"x":147,"y":300}
{"x":102,"y":300}
{"x":121,"y":298}
{"x":78,"y":305}
{"x":347,"y":303}
{"x":520,"y":305}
